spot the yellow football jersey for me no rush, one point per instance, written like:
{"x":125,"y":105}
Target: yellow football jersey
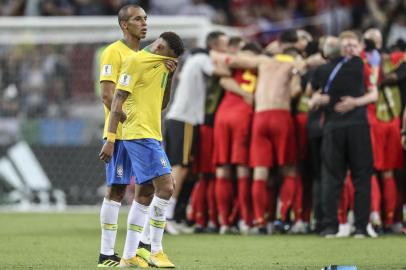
{"x":111,"y":61}
{"x":144,"y":76}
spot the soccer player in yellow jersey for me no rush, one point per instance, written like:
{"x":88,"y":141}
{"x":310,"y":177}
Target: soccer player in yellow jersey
{"x":132,"y":21}
{"x":141,"y":96}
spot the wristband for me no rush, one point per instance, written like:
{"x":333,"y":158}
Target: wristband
{"x":111,"y":137}
{"x":403,"y":132}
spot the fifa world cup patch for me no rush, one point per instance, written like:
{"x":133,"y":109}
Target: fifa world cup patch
{"x":107,"y":70}
{"x":125,"y":79}
{"x":120,"y":171}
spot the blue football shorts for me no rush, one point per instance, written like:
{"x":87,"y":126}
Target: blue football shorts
{"x":118,"y":169}
{"x":148,"y":159}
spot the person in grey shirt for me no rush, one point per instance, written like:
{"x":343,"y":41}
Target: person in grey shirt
{"x":188,"y":110}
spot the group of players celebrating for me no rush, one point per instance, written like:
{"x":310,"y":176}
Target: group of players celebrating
{"x":249,"y":123}
{"x":260,"y":150}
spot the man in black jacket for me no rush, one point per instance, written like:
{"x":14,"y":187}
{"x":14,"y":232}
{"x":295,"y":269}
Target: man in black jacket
{"x":346,"y":138}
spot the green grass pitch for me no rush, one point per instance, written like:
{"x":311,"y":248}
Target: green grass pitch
{"x":71,"y":241}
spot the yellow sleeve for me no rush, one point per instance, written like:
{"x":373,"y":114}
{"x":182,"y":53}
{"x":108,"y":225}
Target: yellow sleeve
{"x":110,"y":62}
{"x":128,"y":75}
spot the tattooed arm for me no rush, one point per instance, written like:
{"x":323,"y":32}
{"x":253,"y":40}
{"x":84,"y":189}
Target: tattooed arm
{"x":117,"y":109}
{"x":167,"y":93}
{"x":115,"y":115}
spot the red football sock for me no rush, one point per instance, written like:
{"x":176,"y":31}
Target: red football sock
{"x":260,"y":200}
{"x":389,"y":198}
{"x":224,"y":198}
{"x":286,"y":195}
{"x":244,"y":199}
{"x":211,"y":202}
{"x":298,"y":199}
{"x":343,"y":205}
{"x":200,"y":202}
{"x":375,"y":195}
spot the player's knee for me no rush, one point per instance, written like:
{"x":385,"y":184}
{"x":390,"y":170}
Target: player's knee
{"x":170,"y":189}
{"x":387,"y":174}
{"x":144,"y":199}
{"x":164,"y":186}
{"x":165,"y":192}
{"x":116,"y":193}
{"x":261,"y":173}
{"x":243,"y":171}
{"x":289,"y":171}
{"x":223,"y":171}
{"x":115,"y":197}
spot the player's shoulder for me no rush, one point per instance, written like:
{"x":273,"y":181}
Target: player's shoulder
{"x":117,"y":48}
{"x":113,"y":46}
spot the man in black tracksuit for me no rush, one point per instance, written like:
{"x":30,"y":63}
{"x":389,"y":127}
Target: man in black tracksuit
{"x":346,"y":138}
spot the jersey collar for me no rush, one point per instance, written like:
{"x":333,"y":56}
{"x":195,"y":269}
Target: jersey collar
{"x":125,"y":43}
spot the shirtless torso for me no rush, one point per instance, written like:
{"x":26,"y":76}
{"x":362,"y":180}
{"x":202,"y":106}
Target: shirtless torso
{"x":277,"y":82}
{"x":274,"y":85}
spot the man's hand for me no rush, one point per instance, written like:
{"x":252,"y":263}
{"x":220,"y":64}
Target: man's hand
{"x":107,"y":152}
{"x":318,"y":99}
{"x":171,"y":65}
{"x":403,"y":141}
{"x":346,"y":104}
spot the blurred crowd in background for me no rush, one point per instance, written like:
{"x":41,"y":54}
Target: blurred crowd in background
{"x":262,"y":13}
{"x":47,"y":81}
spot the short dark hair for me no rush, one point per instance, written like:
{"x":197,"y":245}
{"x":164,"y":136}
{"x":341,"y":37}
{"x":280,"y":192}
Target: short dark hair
{"x":289,"y":36}
{"x":174,"y":42}
{"x":213,"y":37}
{"x":235,"y":41}
{"x":252,"y":47}
{"x":123,"y":14}
{"x":312,"y":47}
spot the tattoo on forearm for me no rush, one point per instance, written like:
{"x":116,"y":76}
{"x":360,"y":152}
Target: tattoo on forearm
{"x":121,"y":95}
{"x":116,"y":109}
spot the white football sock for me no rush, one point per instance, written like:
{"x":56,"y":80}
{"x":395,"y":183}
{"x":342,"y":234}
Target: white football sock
{"x":145,"y":237}
{"x":136,"y":220}
{"x":108,"y":219}
{"x":157,"y":215}
{"x":170,"y":212}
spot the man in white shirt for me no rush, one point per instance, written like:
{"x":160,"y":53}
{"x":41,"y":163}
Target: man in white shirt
{"x":188,"y":110}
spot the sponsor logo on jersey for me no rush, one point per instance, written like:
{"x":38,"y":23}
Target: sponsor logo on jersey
{"x":125,"y":79}
{"x":107,"y":70}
